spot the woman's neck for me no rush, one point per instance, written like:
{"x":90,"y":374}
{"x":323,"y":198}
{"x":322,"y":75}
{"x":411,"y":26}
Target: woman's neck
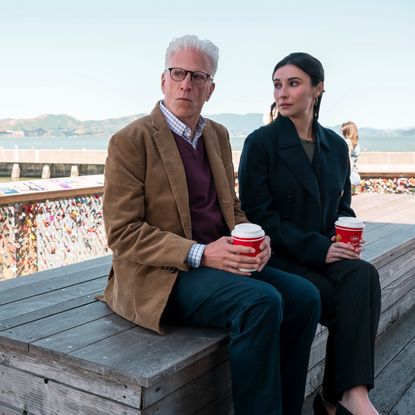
{"x":304,"y":127}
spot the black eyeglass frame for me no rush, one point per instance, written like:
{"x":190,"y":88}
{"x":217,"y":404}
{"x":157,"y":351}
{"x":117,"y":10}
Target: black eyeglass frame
{"x":191,"y":75}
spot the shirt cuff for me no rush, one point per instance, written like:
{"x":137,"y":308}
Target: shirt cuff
{"x":194,"y":257}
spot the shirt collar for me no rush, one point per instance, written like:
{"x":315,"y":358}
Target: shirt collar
{"x":181,"y":129}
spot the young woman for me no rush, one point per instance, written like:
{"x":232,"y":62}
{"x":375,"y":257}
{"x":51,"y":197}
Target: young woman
{"x":351,"y":136}
{"x":294,"y":182}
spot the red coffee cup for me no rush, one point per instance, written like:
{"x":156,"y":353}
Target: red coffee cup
{"x":248,"y":234}
{"x":349,"y":230}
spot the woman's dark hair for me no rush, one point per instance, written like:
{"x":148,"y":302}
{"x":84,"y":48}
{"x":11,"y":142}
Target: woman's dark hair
{"x":308,"y":64}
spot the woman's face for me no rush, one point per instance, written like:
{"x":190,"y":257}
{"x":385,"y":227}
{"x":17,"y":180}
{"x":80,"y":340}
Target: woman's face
{"x":293,"y":92}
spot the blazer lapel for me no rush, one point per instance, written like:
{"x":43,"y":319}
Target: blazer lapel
{"x":172,"y":161}
{"x":294,"y":156}
{"x":211,"y":142}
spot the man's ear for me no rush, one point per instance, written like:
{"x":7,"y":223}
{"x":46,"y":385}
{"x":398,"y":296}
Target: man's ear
{"x":212,"y":88}
{"x":163,"y":81}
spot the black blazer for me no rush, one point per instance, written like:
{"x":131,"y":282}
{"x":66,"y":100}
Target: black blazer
{"x":295,"y":201}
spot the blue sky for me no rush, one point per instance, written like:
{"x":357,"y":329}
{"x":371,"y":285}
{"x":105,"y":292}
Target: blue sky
{"x":101,"y":59}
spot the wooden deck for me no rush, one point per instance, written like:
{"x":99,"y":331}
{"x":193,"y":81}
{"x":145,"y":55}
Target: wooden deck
{"x":394,"y":391}
{"x":63,"y":352}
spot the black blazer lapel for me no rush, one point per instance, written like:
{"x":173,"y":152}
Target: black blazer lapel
{"x":293,"y":155}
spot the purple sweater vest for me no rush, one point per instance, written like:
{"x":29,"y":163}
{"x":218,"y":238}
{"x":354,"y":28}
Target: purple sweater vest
{"x":207,"y":219}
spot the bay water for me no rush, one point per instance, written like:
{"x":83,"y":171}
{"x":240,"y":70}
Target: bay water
{"x":100,"y":142}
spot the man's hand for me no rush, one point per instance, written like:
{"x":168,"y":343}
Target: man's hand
{"x":340,"y":250}
{"x":222,"y":254}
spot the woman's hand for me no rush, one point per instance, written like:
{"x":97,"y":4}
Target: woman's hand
{"x":340,"y":250}
{"x":265,"y":253}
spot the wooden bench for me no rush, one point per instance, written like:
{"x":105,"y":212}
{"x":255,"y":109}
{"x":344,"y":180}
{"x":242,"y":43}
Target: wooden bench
{"x":63,"y":352}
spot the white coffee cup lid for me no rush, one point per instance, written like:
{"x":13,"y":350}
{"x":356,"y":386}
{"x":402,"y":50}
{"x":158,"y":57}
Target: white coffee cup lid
{"x":349,"y":222}
{"x":248,"y":230}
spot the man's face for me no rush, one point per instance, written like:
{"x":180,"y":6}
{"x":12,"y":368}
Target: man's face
{"x":185,"y":99}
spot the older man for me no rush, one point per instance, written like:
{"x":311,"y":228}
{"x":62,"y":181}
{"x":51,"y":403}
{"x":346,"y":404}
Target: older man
{"x":169,"y":206}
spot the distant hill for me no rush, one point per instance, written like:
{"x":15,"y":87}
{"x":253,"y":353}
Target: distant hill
{"x":238,"y":124}
{"x":51,"y":125}
{"x":64,"y":125}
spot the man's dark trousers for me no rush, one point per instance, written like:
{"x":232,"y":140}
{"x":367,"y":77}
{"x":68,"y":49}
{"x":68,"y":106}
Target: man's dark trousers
{"x":271,"y":316}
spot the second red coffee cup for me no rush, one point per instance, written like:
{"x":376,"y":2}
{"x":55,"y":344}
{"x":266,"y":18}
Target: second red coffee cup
{"x":349,"y":230}
{"x":248,"y":234}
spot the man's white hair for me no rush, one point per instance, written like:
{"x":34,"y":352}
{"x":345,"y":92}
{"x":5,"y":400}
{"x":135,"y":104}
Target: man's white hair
{"x":193,"y":42}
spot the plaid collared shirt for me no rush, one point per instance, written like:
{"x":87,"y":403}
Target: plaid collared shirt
{"x":196,"y":251}
{"x":181,"y":129}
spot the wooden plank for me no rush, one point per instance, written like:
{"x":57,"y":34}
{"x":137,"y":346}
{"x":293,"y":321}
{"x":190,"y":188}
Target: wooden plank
{"x":221,"y":406}
{"x":388,"y":347}
{"x":48,"y":299}
{"x":395,"y":310}
{"x":83,"y":335}
{"x":8,"y":410}
{"x":80,"y":267}
{"x":406,"y":404}
{"x":146,"y":357}
{"x":75,"y":377}
{"x":382,"y":251}
{"x":169,"y":384}
{"x":397,"y":289}
{"x":104,"y":356}
{"x":395,"y":379}
{"x":395,"y":269}
{"x":47,"y":311}
{"x":48,"y":326}
{"x":382,"y":230}
{"x":196,"y":395}
{"x":364,"y":204}
{"x":318,"y":349}
{"x":31,"y":288}
{"x":314,"y":378}
{"x":39,"y":396}
{"x":399,"y":334}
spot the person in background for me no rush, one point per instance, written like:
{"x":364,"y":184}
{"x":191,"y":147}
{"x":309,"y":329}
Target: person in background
{"x":270,"y":115}
{"x":351,"y":135}
{"x":294,"y":182}
{"x":169,"y":206}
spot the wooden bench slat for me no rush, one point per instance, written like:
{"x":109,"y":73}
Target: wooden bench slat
{"x":28,"y":390}
{"x":379,"y":256}
{"x":30,"y":289}
{"x":48,"y":299}
{"x":146,"y":357}
{"x":90,"y":265}
{"x":395,"y":379}
{"x":48,"y":326}
{"x":77,"y":337}
{"x":48,"y":311}
{"x":73,"y":376}
{"x":406,"y":405}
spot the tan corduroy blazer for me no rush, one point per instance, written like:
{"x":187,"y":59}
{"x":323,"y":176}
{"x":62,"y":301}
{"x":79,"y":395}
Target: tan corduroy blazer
{"x":147,"y":216}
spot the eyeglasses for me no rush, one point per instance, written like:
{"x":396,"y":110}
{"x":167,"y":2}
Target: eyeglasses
{"x":197,"y":77}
